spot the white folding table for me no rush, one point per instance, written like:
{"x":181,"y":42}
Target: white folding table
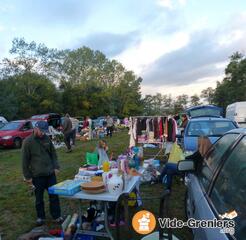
{"x":106,"y":197}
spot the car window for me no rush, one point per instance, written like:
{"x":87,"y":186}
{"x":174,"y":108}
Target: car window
{"x":229,"y":191}
{"x":11,"y":126}
{"x":209,"y":128}
{"x":213,"y":158}
{"x":27,"y":126}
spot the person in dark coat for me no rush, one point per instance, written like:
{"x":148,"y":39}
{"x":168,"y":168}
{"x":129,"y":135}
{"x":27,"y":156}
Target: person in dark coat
{"x":40,"y":167}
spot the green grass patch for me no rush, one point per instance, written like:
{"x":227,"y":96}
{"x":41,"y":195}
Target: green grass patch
{"x":17,"y":212}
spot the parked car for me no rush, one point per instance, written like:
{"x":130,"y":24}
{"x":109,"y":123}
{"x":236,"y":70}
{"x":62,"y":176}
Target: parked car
{"x":3,"y":119}
{"x":13,"y":133}
{"x":237,"y":112}
{"x":218,"y":189}
{"x":213,"y":127}
{"x":53,"y":119}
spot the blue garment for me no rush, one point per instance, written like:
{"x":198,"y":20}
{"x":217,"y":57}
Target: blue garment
{"x":168,"y":172}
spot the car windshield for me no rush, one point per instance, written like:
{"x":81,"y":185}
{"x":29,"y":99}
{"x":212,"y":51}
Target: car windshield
{"x":34,"y":123}
{"x":11,"y":126}
{"x":209,"y":128}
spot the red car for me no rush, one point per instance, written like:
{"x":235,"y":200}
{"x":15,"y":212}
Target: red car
{"x":13,"y":133}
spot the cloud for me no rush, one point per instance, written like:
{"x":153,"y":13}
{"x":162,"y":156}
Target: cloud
{"x":171,"y":4}
{"x":165,"y":3}
{"x":189,"y":89}
{"x":201,"y":58}
{"x":149,"y":49}
{"x":110,"y":44}
{"x":54,"y":13}
{"x":2,"y":28}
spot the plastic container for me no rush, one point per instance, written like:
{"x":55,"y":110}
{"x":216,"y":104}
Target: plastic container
{"x":67,"y":188}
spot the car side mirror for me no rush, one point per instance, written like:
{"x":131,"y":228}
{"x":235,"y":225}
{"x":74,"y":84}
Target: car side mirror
{"x":186,"y":166}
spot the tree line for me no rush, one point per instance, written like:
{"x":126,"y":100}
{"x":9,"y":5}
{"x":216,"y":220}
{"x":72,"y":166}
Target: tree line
{"x":36,"y":79}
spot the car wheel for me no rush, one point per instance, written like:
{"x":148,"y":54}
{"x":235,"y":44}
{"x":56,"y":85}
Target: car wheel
{"x":17,"y":143}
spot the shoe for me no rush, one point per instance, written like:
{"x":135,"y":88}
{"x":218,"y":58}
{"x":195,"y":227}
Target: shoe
{"x":121,"y":223}
{"x":40,"y":222}
{"x":68,"y":151}
{"x":59,"y":220}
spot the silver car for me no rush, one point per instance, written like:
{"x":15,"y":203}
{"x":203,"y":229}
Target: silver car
{"x":218,"y":190}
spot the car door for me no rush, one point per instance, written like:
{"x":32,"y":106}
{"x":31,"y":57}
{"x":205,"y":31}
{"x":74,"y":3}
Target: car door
{"x":198,"y":185}
{"x":228,"y":193}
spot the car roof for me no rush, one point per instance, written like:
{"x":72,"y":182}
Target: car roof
{"x":197,"y":119}
{"x":238,"y":130}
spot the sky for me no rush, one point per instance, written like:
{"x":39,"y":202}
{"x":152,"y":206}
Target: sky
{"x":176,"y":46}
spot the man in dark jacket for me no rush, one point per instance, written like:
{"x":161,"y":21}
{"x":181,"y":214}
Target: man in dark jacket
{"x":40,"y":166}
{"x":67,"y":131}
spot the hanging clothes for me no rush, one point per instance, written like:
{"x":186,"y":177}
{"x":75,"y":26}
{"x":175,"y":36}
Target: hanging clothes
{"x":156,"y":128}
{"x":151,"y":125}
{"x":160,"y":122}
{"x":139,"y":131}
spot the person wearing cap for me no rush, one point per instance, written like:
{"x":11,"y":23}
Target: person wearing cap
{"x":40,"y":167}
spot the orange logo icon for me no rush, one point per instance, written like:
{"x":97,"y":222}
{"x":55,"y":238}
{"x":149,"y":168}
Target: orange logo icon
{"x":144,"y":222}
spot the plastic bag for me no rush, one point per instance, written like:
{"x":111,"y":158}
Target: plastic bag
{"x":176,"y":154}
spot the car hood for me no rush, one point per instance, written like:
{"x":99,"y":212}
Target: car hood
{"x":7,"y":133}
{"x":190,"y":143}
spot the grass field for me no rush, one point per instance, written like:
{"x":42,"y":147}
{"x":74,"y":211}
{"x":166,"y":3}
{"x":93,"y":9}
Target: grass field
{"x":17,"y":213}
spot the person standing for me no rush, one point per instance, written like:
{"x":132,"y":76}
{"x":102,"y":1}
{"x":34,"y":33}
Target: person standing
{"x":110,"y":126}
{"x":67,"y":131}
{"x":75,"y":123}
{"x":40,"y":167}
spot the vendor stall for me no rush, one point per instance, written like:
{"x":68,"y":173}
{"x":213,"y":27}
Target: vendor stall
{"x":153,"y":132}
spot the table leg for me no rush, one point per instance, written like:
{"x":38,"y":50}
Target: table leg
{"x":80,"y":215}
{"x":106,"y":221}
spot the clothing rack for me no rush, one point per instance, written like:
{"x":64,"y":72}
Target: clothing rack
{"x":146,"y":116}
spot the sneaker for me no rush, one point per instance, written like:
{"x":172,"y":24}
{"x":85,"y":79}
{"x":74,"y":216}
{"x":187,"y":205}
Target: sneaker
{"x":40,"y":222}
{"x":59,"y":220}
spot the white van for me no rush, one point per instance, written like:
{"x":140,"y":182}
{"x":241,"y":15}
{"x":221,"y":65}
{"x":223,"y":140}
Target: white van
{"x":237,"y":112}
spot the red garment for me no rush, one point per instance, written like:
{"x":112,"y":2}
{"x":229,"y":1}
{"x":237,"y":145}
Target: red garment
{"x":161,"y":127}
{"x":86,"y":124}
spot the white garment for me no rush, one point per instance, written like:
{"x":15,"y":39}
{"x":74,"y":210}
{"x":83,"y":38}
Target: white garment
{"x":132,"y":132}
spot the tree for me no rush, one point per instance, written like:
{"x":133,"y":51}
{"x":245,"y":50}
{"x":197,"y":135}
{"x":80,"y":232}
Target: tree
{"x":195,"y":100}
{"x":28,"y":94}
{"x":233,"y":86}
{"x":32,"y":58}
{"x":208,"y":94}
{"x":180,"y":103}
{"x":89,"y":83}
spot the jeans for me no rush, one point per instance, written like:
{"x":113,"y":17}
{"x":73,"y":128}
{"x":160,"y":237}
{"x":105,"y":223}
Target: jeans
{"x":110,"y":131}
{"x":169,"y":170}
{"x":41,"y":184}
{"x":73,"y":136}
